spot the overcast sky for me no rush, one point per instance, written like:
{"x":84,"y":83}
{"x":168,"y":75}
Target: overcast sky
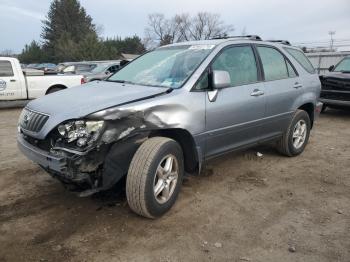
{"x":297,"y":21}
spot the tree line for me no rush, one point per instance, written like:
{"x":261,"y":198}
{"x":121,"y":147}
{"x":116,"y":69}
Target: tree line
{"x":69,"y":34}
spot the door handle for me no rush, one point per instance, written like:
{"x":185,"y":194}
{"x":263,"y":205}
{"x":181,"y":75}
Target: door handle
{"x":297,"y":85}
{"x":13,"y":80}
{"x":257,"y":92}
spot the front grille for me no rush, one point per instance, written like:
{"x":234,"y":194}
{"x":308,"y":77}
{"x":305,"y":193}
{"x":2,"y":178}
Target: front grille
{"x":336,"y":84}
{"x":32,"y":121}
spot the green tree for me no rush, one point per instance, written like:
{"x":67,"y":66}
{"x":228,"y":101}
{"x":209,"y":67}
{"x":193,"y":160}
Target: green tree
{"x":32,"y":53}
{"x":66,"y":18}
{"x":65,"y":49}
{"x":69,"y":35}
{"x":91,"y":48}
{"x":114,"y":47}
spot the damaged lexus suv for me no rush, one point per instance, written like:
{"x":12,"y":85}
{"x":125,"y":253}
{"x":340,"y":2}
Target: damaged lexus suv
{"x":167,"y":112}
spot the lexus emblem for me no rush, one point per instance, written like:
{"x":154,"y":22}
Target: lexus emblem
{"x":27,"y":117}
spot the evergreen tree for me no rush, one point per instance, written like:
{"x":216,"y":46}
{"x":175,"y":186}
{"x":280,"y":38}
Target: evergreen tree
{"x":32,"y":53}
{"x":91,"y":48}
{"x":66,"y":18}
{"x":69,"y":34}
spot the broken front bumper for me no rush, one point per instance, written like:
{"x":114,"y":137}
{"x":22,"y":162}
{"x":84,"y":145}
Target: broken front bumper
{"x":93,"y":171}
{"x":41,"y":157}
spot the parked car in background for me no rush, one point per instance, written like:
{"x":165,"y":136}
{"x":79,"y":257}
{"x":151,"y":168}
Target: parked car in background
{"x":21,"y":84}
{"x":34,"y":66}
{"x":75,"y":67}
{"x":48,"y":68}
{"x":168,"y":112}
{"x":336,"y":85}
{"x":102,"y":71}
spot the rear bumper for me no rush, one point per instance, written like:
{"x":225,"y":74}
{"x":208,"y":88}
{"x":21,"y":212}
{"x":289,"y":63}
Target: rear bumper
{"x":41,"y":157}
{"x":335,"y":102}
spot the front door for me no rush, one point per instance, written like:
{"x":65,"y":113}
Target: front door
{"x":234,"y":118}
{"x":10,"y":87}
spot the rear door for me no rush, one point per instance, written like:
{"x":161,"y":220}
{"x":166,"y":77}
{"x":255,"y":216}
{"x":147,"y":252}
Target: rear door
{"x":282,"y":87}
{"x":10,"y":86}
{"x":233,"y":119}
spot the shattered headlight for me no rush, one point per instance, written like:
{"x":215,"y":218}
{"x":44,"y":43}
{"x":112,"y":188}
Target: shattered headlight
{"x":81,"y":131}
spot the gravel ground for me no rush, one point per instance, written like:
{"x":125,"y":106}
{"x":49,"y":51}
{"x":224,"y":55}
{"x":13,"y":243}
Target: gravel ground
{"x":242,"y":208}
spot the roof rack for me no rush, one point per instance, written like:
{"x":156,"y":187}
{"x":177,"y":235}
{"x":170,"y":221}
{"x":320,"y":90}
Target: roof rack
{"x":283,"y":42}
{"x":250,"y":37}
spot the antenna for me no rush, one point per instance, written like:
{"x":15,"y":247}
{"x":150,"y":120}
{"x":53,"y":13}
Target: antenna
{"x":331,"y":33}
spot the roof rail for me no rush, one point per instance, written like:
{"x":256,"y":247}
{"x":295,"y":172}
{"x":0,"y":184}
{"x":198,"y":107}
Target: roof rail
{"x":283,"y":42}
{"x":250,"y":37}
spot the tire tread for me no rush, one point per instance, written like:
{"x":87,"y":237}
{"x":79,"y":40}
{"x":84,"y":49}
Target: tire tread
{"x":283,"y":142}
{"x":138,"y":170}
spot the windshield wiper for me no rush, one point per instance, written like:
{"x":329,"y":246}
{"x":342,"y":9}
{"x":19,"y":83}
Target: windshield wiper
{"x":116,"y":81}
{"x":121,"y":81}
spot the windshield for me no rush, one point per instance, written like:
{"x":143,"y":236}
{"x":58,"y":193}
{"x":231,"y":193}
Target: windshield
{"x":164,"y":67}
{"x":343,"y":66}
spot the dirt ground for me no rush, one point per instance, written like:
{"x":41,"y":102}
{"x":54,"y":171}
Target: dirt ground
{"x":243,"y":208}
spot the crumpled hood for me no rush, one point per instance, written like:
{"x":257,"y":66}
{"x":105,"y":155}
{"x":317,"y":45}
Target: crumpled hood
{"x":77,"y":102}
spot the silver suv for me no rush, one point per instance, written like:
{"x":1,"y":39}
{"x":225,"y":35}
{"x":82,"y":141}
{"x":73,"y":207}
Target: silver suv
{"x":168,"y":112}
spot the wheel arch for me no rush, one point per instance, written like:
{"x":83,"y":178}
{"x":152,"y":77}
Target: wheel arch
{"x":187,"y":143}
{"x":309,"y":108}
{"x":55,"y":86}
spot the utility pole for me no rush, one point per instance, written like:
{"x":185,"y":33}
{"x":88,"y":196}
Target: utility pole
{"x":331,"y":33}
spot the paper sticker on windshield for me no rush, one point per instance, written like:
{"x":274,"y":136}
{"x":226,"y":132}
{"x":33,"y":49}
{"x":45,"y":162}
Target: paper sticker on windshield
{"x":201,"y":47}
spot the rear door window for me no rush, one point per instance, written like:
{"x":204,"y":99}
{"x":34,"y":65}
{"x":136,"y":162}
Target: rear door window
{"x":301,"y":59}
{"x":5,"y":68}
{"x":274,"y":63}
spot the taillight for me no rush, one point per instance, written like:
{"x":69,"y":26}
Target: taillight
{"x":83,"y":81}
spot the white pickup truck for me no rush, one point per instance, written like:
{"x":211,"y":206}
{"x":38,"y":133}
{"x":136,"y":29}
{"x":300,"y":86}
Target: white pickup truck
{"x":18,"y":84}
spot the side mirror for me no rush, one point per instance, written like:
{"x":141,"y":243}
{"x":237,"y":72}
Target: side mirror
{"x":221,"y":79}
{"x":107,"y":72}
{"x":330,"y":69}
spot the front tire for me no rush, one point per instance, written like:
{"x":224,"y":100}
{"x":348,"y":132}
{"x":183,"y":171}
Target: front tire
{"x":296,"y":137}
{"x":155,"y":177}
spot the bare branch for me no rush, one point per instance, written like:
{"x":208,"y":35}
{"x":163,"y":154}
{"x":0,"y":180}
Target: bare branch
{"x":183,"y":27}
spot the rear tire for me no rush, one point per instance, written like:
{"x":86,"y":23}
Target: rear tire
{"x":155,"y":177}
{"x":296,"y":137}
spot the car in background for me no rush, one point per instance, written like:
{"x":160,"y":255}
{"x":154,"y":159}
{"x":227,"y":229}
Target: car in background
{"x":336,"y":85}
{"x":29,"y":83}
{"x":48,"y":68}
{"x":102,"y":71}
{"x":33,"y":66}
{"x":75,"y":67}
